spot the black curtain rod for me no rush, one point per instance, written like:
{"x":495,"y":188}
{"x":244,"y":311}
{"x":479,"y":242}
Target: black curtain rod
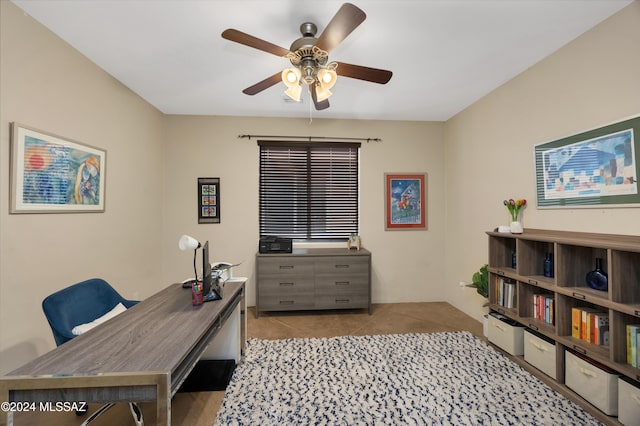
{"x":309,"y":138}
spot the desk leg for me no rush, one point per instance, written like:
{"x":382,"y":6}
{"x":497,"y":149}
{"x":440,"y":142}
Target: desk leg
{"x":163,"y":402}
{"x":243,"y":323}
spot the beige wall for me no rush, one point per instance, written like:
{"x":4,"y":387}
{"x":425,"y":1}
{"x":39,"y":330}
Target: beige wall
{"x":590,"y":82}
{"x":209,"y":147}
{"x":46,"y":84}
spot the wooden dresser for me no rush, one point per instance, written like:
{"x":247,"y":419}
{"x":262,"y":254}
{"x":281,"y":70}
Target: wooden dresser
{"x":311,"y":279}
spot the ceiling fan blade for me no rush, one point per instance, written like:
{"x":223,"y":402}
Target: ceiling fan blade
{"x":264,"y":84}
{"x":319,"y":105}
{"x":256,"y":43}
{"x":341,"y":25}
{"x":373,"y":75}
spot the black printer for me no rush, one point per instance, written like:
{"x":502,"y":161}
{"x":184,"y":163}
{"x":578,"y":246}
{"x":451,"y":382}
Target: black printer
{"x":275,"y":245}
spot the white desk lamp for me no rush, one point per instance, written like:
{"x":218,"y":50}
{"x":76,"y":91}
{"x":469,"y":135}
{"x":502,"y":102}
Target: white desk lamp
{"x":189,"y":243}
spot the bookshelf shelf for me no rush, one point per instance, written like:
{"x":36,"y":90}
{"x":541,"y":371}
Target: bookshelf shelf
{"x":567,"y":294}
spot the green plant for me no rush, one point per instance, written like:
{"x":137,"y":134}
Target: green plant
{"x":480,"y":281}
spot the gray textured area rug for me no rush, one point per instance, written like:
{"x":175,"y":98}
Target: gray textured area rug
{"x":403,"y":379}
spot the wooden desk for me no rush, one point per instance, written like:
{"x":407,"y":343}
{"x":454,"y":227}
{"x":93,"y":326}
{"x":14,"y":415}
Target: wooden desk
{"x":142,"y":355}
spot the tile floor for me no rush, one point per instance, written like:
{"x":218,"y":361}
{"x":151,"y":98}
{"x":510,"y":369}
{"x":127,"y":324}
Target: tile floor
{"x":200,"y":408}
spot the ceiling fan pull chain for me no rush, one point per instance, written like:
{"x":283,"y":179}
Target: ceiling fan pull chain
{"x":310,"y":109}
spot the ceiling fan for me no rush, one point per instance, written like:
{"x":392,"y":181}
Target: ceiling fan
{"x":309,"y":57}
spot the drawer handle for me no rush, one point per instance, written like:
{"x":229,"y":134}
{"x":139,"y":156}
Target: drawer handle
{"x":579,"y":349}
{"x":342,"y":266}
{"x":587,"y":372}
{"x":500,"y":272}
{"x":286,"y":284}
{"x":534,"y":282}
{"x":342,"y":300}
{"x":287,"y":302}
{"x":579,"y":296}
{"x":637,"y":313}
{"x":636,"y":398}
{"x":499,"y":327}
{"x":533,"y":327}
{"x":538,"y":346}
{"x":286,"y":266}
{"x":342,"y":283}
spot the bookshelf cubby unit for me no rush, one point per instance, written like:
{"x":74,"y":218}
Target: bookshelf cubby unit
{"x":574,"y":255}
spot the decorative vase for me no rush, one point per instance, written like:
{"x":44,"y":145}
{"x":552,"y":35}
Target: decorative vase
{"x":548,"y":265}
{"x":597,"y":279}
{"x":516,"y":227}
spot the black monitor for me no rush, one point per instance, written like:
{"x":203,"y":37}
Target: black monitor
{"x":210,"y":289}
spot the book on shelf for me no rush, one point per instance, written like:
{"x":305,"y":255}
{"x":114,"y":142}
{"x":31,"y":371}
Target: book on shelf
{"x":632,"y":344}
{"x":505,"y":292}
{"x":600,"y":328}
{"x":544,"y":308}
{"x":576,"y":319}
{"x":590,"y":324}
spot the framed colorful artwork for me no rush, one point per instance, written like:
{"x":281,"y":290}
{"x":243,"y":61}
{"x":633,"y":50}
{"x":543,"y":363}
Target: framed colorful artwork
{"x":596,"y":168}
{"x":53,"y":174}
{"x":208,"y":200}
{"x":405,"y":201}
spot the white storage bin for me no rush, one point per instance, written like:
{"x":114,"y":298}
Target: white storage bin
{"x":628,"y":403}
{"x":540,"y":353}
{"x":506,"y":335}
{"x":594,"y":384}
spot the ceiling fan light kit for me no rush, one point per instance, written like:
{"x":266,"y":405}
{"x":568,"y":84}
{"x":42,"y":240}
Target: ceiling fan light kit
{"x":309,"y":56}
{"x":294,"y":92}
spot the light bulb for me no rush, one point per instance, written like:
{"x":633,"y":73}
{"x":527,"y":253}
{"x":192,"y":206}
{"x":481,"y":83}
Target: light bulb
{"x":327,"y":78}
{"x":291,"y":76}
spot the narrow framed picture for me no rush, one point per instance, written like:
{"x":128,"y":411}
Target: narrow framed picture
{"x":208,"y":200}
{"x":53,"y":174}
{"x":405,"y":201}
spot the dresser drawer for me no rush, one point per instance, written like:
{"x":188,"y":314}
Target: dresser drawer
{"x":286,"y":302}
{"x":284,"y":266}
{"x":286,"y":285}
{"x":346,"y":301}
{"x":342,"y":265}
{"x":342,"y":283}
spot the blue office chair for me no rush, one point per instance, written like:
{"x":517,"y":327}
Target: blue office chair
{"x":82,"y":303}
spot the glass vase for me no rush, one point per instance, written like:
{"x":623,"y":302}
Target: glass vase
{"x":548,"y":265}
{"x":598,"y":279}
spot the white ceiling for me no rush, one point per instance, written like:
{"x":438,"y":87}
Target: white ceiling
{"x":444,"y":54}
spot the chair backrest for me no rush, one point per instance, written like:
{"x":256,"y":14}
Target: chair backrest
{"x":79,"y":304}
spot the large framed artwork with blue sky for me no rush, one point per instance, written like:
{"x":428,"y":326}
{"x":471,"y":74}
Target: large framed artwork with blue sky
{"x":596,"y":168}
{"x":405,"y":201}
{"x":52,"y":174}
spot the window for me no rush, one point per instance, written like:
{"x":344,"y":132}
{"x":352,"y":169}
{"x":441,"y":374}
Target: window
{"x":308,"y":191}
